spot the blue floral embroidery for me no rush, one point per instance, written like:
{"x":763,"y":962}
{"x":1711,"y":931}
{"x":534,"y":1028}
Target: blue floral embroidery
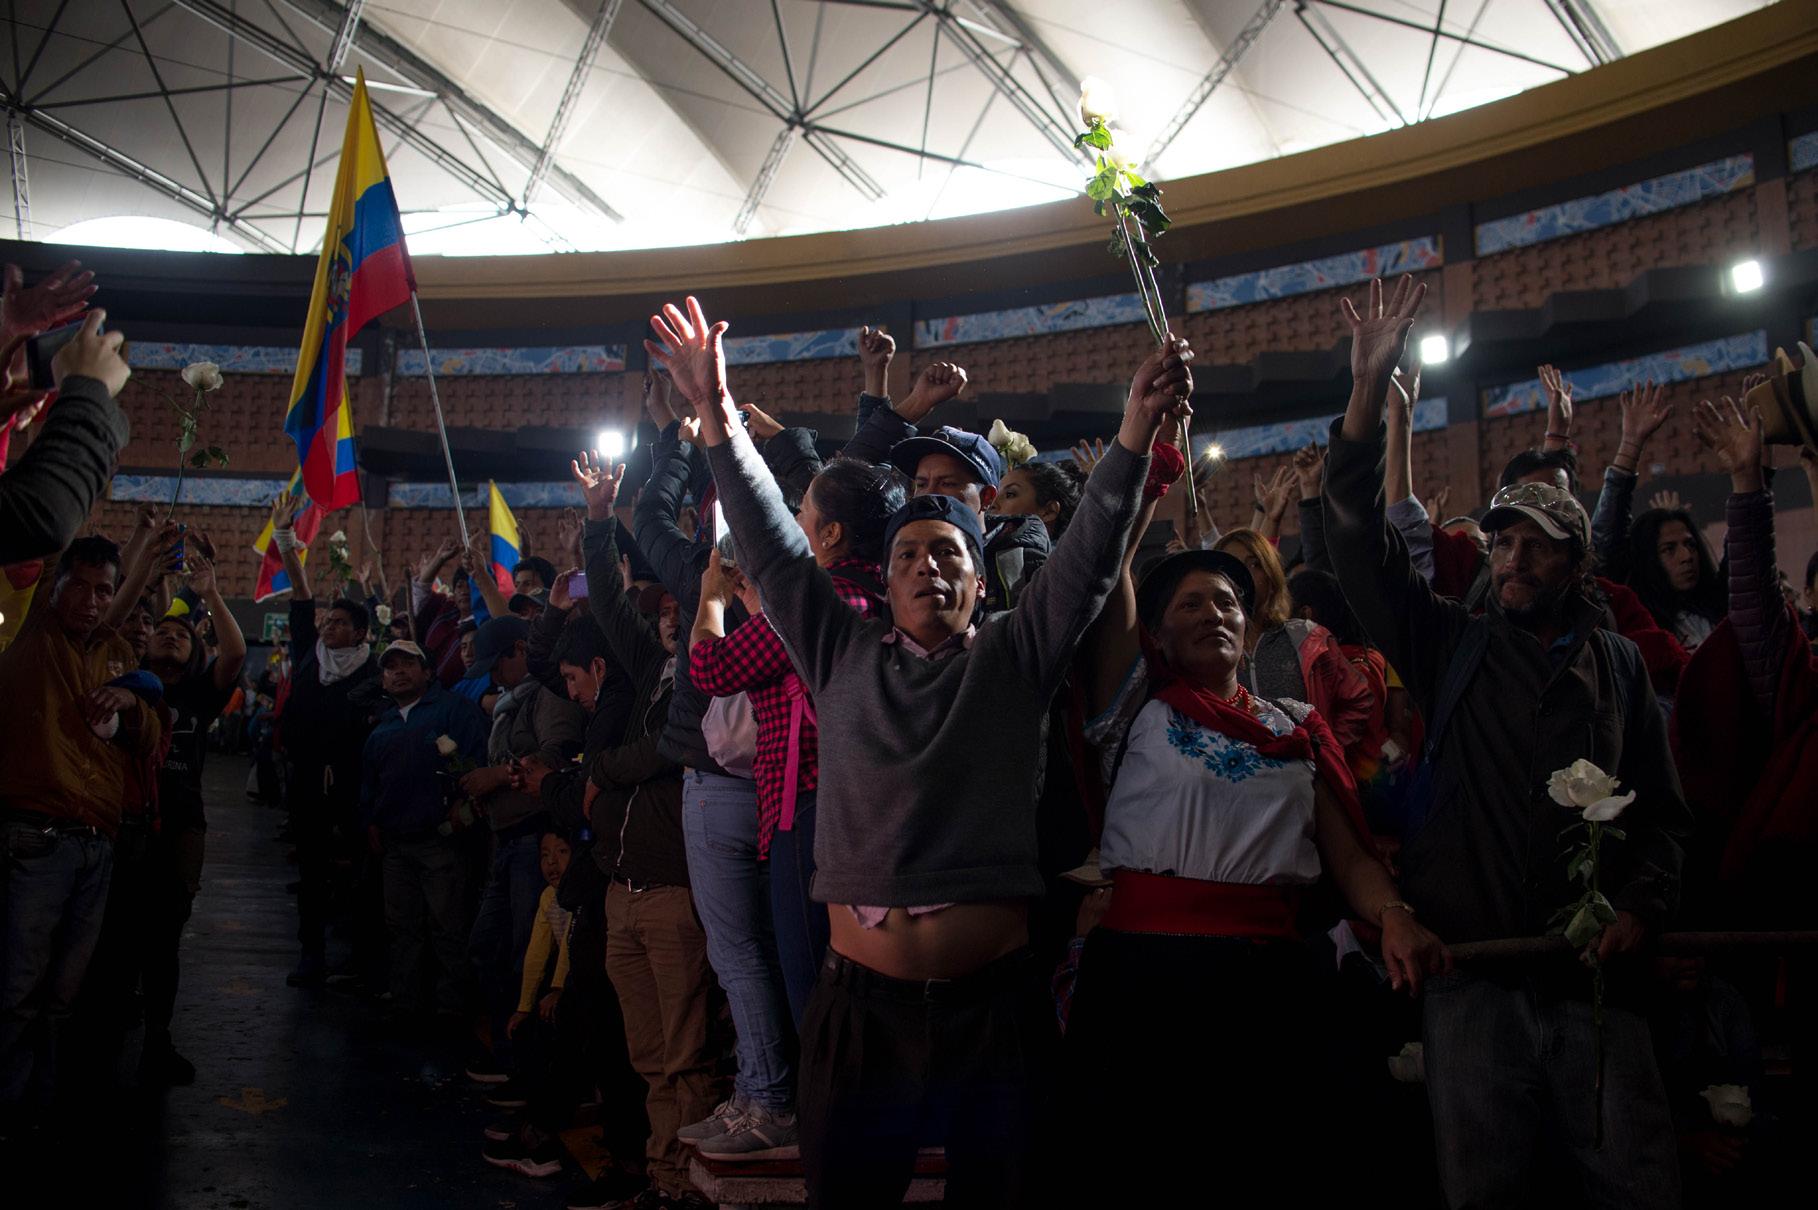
{"x":1223,"y":757}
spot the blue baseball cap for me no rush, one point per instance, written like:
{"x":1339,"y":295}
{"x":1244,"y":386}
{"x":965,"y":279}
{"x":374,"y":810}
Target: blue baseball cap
{"x":969,"y":448}
{"x":954,"y":512}
{"x":496,"y":638}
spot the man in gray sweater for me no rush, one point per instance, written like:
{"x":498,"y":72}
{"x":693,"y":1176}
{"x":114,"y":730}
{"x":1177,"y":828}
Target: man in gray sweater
{"x":930,"y":736}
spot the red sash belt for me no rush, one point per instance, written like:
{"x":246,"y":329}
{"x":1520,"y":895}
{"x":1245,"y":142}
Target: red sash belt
{"x":1157,"y":903}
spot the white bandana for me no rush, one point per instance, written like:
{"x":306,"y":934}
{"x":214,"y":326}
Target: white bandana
{"x":338,"y":664}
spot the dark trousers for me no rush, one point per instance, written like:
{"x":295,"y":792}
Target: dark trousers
{"x":425,"y":912}
{"x":174,"y":878}
{"x":1197,"y":1047}
{"x":312,"y":830}
{"x":801,"y":923}
{"x":890,"y":1065}
{"x":603,"y":1057}
{"x":102,"y":1015}
{"x":1510,"y":1078}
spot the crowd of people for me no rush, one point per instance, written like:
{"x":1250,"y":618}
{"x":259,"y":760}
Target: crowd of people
{"x":821,"y":811}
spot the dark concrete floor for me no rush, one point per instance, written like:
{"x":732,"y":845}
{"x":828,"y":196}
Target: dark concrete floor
{"x":302,"y":1099}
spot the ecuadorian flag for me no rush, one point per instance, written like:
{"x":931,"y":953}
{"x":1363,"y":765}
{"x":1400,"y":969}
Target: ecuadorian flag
{"x":505,"y":543}
{"x":308,"y":523}
{"x":363,"y":272}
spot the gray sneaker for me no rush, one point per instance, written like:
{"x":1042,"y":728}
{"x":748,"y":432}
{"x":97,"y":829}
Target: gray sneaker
{"x":756,"y":1134}
{"x":713,"y":1124}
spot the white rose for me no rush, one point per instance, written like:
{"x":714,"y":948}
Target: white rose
{"x":1097,"y":102}
{"x":1585,"y":788}
{"x":203,"y":375}
{"x":384,"y":614}
{"x":338,"y":538}
{"x":999,"y":434}
{"x":446,"y":746}
{"x":1410,"y":1066}
{"x":1729,"y":1104}
{"x":1120,"y":155}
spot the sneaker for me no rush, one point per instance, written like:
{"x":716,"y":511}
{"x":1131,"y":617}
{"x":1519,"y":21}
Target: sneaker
{"x":614,"y":1189}
{"x":715,"y":1123}
{"x":510,"y":1095}
{"x":312,"y":971}
{"x":162,"y":1065}
{"x":481,"y":1069}
{"x":514,"y":1153}
{"x":756,"y":1134}
{"x":504,"y":1128}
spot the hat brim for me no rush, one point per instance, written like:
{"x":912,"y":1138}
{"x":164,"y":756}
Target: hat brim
{"x":905,"y":456}
{"x":1165,"y":575}
{"x":1508,"y":514}
{"x":385,"y":658}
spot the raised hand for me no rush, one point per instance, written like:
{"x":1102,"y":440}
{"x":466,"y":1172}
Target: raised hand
{"x":1667,"y":499}
{"x":876,"y":348}
{"x":568,"y":535}
{"x":1088,"y":454}
{"x":1379,"y":336}
{"x":1159,"y":392}
{"x":431,"y":565}
{"x":559,"y":598}
{"x":1436,"y":506}
{"x":718,"y":582}
{"x":1734,"y":439}
{"x":1309,"y":467}
{"x":656,"y":399}
{"x":691,"y":349}
{"x":1275,"y":495}
{"x":92,"y":353}
{"x":201,"y":574}
{"x":763,"y":426}
{"x":599,"y":480}
{"x":284,"y":509}
{"x":1643,"y":412}
{"x":939,"y":381}
{"x":688,"y":430}
{"x":1559,"y":402}
{"x":23,"y":398}
{"x":58,"y":298}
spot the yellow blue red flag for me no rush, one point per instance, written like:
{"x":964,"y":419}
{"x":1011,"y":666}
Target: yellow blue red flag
{"x":272,"y":578}
{"x":505,"y":542}
{"x":363,"y":272}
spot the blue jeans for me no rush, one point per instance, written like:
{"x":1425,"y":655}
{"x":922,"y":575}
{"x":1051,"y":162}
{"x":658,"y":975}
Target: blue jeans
{"x":732,"y":894}
{"x":501,"y":930}
{"x":1510,"y":1073}
{"x":53,"y":893}
{"x":802,"y":928}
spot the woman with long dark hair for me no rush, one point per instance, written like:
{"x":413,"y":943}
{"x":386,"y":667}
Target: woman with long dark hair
{"x":1672,"y":571}
{"x":1049,"y":490}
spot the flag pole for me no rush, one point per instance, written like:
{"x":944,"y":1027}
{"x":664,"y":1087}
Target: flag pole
{"x":441,"y":427}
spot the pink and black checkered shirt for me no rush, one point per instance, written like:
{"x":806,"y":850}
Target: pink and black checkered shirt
{"x":751,"y":660}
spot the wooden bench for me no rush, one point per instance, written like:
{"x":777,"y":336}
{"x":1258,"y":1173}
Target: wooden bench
{"x":733,"y":1183}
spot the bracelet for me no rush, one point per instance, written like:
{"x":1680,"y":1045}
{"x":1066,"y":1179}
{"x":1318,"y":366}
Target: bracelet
{"x":1396,"y":905}
{"x":284,"y":539}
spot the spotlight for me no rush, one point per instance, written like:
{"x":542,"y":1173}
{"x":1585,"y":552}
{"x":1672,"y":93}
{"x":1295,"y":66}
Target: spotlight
{"x":1435,"y":349}
{"x":611,"y":443}
{"x":1745,"y":276}
{"x":1214,"y":452}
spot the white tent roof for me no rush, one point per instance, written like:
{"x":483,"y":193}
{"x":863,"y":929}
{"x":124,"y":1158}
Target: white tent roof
{"x":700,"y":121}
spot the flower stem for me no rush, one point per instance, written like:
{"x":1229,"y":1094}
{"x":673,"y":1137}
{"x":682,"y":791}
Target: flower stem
{"x":1145,"y":282}
{"x":1596,"y":830}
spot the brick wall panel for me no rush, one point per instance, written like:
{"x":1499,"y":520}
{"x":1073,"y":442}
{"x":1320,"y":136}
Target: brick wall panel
{"x":1802,"y":209}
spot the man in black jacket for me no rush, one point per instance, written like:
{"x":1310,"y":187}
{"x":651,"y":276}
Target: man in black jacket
{"x":335,"y":698}
{"x":1511,"y":696}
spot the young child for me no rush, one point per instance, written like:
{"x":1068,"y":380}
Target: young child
{"x":530,"y":1145}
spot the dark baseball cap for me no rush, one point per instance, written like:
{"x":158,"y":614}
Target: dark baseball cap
{"x":954,"y":512}
{"x":1557,"y":511}
{"x":496,"y":638}
{"x":969,"y":448}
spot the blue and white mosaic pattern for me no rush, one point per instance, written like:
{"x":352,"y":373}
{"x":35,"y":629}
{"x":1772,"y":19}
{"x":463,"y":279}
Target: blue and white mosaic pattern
{"x":1802,"y":151}
{"x":1745,"y":352}
{"x":197,"y":489}
{"x":1618,"y":205}
{"x":571,"y":359}
{"x":233,"y":359}
{"x":557,"y":494}
{"x":1030,"y":321}
{"x":1283,"y":281}
{"x":1257,"y":440}
{"x":792,"y":346}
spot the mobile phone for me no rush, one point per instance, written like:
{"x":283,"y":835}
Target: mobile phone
{"x":577,"y":586}
{"x":177,"y":553}
{"x":40,"y":349}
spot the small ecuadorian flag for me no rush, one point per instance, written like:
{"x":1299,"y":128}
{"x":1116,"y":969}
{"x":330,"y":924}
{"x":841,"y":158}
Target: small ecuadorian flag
{"x":308,"y":523}
{"x":505,"y":543}
{"x":363,"y":272}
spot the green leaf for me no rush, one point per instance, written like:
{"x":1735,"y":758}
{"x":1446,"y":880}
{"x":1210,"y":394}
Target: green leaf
{"x":1098,"y":136}
{"x":1148,"y":189}
{"x":1103,"y":186}
{"x":199,"y":458}
{"x":1134,"y":179}
{"x":186,"y":438}
{"x":1600,"y":907}
{"x":1614,"y":833}
{"x":217,"y":455}
{"x":1149,"y":215}
{"x":1583,"y":928}
{"x":1580,"y":867}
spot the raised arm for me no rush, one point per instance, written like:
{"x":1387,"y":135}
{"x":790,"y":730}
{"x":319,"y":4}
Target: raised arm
{"x":284,"y":511}
{"x":1560,"y":410}
{"x":1642,"y":415}
{"x":634,"y":646}
{"x":1763,"y":621}
{"x":1058,"y":605}
{"x":142,"y":563}
{"x":1415,"y":628}
{"x":478,"y":560}
{"x":232,"y":643}
{"x":676,"y":557}
{"x":803,"y":604}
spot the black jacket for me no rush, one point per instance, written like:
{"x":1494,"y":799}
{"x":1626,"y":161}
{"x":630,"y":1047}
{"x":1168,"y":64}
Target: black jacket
{"x":47,"y":495}
{"x":325,"y":726}
{"x":637,"y":817}
{"x":1488,"y":860}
